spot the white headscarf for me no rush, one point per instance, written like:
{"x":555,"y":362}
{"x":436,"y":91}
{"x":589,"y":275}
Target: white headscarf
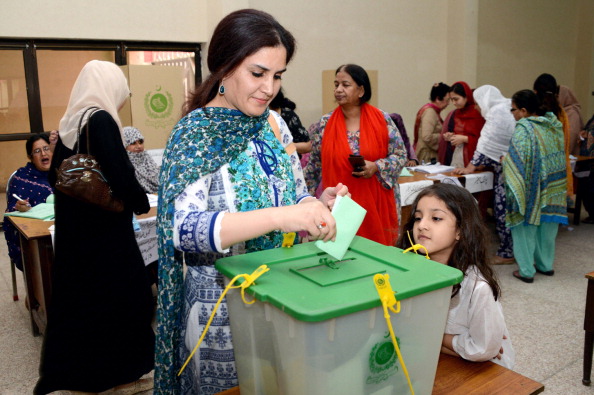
{"x":99,"y":84}
{"x":500,"y":123}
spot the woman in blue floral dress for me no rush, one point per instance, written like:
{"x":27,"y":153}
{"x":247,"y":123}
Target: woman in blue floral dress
{"x":231,"y":183}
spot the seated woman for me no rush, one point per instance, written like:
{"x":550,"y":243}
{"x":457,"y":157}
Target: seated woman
{"x":146,"y":170}
{"x":31,"y":185}
{"x":428,"y":123}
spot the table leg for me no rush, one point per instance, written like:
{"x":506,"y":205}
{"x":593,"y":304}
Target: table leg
{"x":589,"y":328}
{"x":15,"y":293}
{"x":28,"y":271}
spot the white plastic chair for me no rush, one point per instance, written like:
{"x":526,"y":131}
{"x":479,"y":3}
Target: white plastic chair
{"x":15,"y":294}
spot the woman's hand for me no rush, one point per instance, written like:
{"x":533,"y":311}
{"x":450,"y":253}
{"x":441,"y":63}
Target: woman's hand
{"x":312,"y":216}
{"x":329,"y":195}
{"x":470,"y":168}
{"x":53,"y":139}
{"x":457,"y":139}
{"x":411,"y":163}
{"x":447,"y":136}
{"x":23,"y":205}
{"x":368,"y":171}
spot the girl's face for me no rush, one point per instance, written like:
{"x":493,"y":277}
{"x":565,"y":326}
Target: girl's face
{"x":255,"y":82}
{"x":346,"y":90}
{"x":457,"y":100}
{"x":435,"y":228}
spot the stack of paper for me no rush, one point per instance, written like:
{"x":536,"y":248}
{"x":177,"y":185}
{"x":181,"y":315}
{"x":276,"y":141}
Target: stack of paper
{"x":432,"y":169}
{"x":44,"y":211}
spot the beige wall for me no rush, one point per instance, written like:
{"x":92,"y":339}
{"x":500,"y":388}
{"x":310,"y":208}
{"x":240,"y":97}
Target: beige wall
{"x":506,"y":43}
{"x":412,"y":44}
{"x":154,"y":20}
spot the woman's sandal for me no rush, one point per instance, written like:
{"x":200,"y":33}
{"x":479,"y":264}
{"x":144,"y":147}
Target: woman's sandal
{"x":528,"y":280}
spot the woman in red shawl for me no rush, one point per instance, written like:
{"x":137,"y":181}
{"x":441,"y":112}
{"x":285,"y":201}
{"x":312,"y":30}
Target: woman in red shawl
{"x":461,"y":129}
{"x":356,"y":127}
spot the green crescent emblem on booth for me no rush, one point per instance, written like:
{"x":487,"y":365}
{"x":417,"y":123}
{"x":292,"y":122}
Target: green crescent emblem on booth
{"x":158,"y":104}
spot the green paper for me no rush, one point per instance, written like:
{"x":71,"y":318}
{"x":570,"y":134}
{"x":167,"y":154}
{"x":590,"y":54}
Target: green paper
{"x":405,"y":173}
{"x":348,"y":216}
{"x":44,"y":211}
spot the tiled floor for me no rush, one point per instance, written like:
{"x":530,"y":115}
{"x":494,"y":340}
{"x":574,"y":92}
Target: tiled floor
{"x":545,"y":320}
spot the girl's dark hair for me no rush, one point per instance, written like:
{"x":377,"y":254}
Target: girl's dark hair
{"x":458,"y":89}
{"x":529,"y":100}
{"x":438,"y":91}
{"x":359,"y":75}
{"x":547,"y":90}
{"x":237,"y":36}
{"x":31,"y":140}
{"x":472,"y":248}
{"x":280,"y":101}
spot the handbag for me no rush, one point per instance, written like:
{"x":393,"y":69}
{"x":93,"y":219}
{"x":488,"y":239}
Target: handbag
{"x":80,"y":177}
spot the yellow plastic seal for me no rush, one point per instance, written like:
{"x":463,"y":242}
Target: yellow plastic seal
{"x":415,"y":247}
{"x":388,"y":299}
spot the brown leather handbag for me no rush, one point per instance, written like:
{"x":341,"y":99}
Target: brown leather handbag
{"x":80,"y":177}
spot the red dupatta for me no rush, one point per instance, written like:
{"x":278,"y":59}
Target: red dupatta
{"x":381,"y":221}
{"x":469,"y":122}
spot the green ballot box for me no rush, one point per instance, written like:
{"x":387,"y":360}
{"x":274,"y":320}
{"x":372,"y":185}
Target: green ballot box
{"x":317,"y":325}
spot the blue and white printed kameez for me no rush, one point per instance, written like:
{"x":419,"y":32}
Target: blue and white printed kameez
{"x":260,"y":175}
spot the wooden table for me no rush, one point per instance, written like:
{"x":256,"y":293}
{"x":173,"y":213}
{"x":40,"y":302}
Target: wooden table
{"x":589,"y":328}
{"x":456,"y":376}
{"x":38,"y":258}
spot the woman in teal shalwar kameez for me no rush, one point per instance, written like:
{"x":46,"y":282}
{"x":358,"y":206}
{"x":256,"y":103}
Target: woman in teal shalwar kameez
{"x":535,"y":183}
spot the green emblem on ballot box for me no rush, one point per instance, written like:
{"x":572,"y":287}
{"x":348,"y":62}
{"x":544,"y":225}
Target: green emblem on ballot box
{"x":382,"y":361}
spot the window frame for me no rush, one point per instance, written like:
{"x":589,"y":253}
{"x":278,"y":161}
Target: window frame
{"x":120,"y":48}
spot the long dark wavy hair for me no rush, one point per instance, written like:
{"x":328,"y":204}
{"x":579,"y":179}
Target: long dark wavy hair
{"x":237,"y":36}
{"x":473,"y":246}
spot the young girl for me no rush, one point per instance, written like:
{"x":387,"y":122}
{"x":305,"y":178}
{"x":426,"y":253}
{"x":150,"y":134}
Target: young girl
{"x":446,"y":222}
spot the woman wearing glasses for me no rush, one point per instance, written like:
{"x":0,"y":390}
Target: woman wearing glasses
{"x":30,"y":184}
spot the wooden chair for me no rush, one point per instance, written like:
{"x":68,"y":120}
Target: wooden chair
{"x":15,"y":294}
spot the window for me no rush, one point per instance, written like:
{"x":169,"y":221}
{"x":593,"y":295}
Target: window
{"x":37,"y":76}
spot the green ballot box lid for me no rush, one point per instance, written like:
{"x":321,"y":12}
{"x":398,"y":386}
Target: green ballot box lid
{"x":312,"y":286}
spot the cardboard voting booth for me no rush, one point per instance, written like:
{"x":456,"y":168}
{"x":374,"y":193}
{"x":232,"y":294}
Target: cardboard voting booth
{"x":317,"y":326}
{"x":156,"y":103}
